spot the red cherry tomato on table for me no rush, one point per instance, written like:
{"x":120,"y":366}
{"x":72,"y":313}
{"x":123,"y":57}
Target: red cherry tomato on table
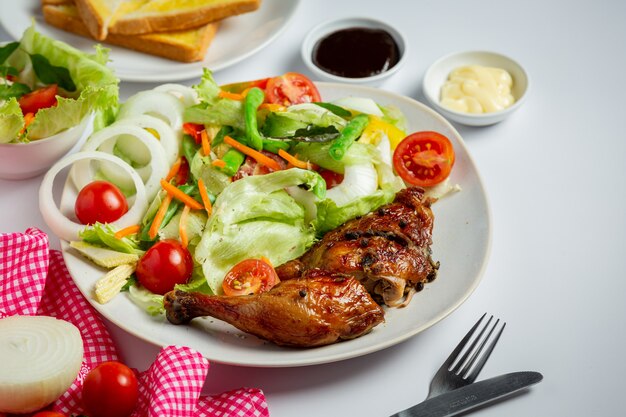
{"x":250,"y":276}
{"x":100,"y":201}
{"x":39,"y":99}
{"x":47,"y":414}
{"x":424,"y":158}
{"x":110,"y":390}
{"x":163,"y":266}
{"x":291,"y":88}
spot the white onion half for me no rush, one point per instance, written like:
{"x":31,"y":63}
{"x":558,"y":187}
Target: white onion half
{"x":40,"y":356}
{"x":155,"y":103}
{"x":359,"y":180}
{"x":186,"y":95}
{"x":167,"y":137}
{"x":67,"y":229}
{"x":105,"y":139}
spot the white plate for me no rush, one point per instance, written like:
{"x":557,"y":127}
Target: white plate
{"x":237,"y":38}
{"x":462,"y":235}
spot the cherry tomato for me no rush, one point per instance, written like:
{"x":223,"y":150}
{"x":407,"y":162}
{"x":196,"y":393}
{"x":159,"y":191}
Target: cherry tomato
{"x":100,"y":201}
{"x":110,"y":390}
{"x":164,"y":265}
{"x":193,"y":130}
{"x":332,"y":178}
{"x":424,"y":158}
{"x":291,"y":88}
{"x":250,"y":276}
{"x":39,"y":99}
{"x":48,"y":414}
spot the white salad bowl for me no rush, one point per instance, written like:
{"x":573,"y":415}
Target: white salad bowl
{"x":437,"y":74}
{"x":26,"y":160}
{"x":326,"y":28}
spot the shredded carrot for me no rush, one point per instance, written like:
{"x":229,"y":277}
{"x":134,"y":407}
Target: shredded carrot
{"x":28,"y":119}
{"x":130,"y":230}
{"x":205,"y":197}
{"x":206,"y":143}
{"x":173,"y":170}
{"x":293,"y":160}
{"x":160,"y":215}
{"x":258,"y":156}
{"x":218,"y":163}
{"x":232,"y":96}
{"x":273,"y":107}
{"x":182,"y":227}
{"x":174,"y":192}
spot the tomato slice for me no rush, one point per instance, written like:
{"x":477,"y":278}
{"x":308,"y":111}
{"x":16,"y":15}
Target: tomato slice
{"x":194,"y":130}
{"x":39,"y":99}
{"x":424,"y":158}
{"x":332,"y":178}
{"x":291,"y":88}
{"x":250,"y":276}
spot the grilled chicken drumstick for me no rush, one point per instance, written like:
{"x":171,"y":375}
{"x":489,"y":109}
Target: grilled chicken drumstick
{"x":319,"y":309}
{"x":388,"y":250}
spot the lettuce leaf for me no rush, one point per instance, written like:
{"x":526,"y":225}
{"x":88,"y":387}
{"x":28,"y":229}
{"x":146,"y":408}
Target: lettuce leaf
{"x":11,"y":120}
{"x":255,"y":217}
{"x":146,"y":300}
{"x":329,"y":216}
{"x":317,"y":153}
{"x":212,"y":108}
{"x":104,"y":235}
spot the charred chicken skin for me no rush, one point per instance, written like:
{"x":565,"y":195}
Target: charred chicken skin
{"x":320,"y":309}
{"x":387,"y":250}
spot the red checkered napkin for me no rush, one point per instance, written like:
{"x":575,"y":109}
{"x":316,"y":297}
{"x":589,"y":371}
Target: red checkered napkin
{"x":35,"y":281}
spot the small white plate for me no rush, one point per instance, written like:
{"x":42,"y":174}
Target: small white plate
{"x":461,"y":242}
{"x":237,"y":38}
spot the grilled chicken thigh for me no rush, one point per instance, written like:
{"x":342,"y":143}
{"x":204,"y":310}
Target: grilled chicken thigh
{"x":387,"y":250}
{"x":320,"y":309}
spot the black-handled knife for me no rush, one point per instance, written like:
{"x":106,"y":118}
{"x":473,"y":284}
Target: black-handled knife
{"x":472,"y":395}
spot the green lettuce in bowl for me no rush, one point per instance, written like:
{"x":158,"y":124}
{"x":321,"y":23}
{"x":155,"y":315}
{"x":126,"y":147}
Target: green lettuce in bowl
{"x":84,"y":86}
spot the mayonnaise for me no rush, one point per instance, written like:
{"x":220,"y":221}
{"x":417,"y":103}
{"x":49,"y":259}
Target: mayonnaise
{"x":477,"y":89}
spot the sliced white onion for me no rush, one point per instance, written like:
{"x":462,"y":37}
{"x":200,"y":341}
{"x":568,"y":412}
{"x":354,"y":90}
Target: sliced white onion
{"x":135,"y":141}
{"x":359,"y":180}
{"x":155,"y":103}
{"x":360,"y":104}
{"x":68,"y":229}
{"x":186,"y":95}
{"x":167,"y":137}
{"x":41,"y":357}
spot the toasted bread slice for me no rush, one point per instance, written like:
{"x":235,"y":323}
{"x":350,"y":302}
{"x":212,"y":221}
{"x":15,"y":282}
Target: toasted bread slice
{"x":186,"y":46}
{"x":143,"y":16}
{"x":97,"y":15}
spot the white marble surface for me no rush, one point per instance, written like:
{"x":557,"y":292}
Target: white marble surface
{"x":553,"y":172}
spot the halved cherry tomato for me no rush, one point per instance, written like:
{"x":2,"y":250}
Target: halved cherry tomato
{"x":163,"y":266}
{"x":424,"y":158}
{"x":193,"y":130}
{"x":39,"y":99}
{"x":291,"y":88}
{"x":110,"y":390}
{"x":332,"y":178}
{"x":48,"y":414}
{"x":100,"y":201}
{"x":250,"y":276}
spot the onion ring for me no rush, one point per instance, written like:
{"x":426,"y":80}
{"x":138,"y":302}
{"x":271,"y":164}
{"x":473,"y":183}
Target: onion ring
{"x":62,"y":225}
{"x":186,"y":95}
{"x":167,"y":137}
